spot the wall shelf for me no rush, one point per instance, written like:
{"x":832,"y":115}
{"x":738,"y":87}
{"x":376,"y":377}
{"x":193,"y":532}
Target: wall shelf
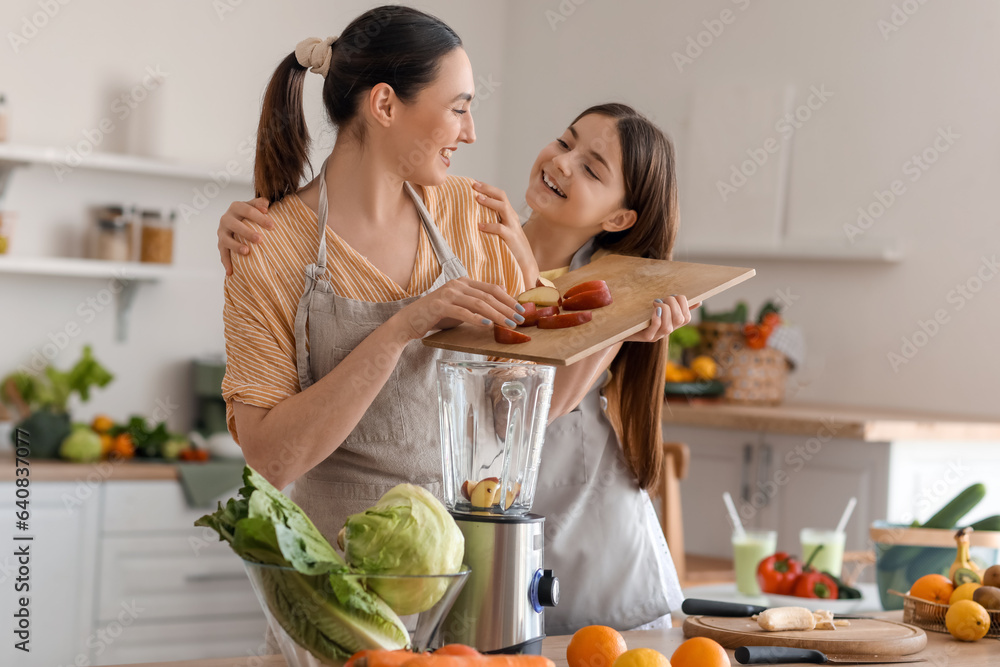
{"x":875,"y":251}
{"x":129,"y":275}
{"x":13,"y":156}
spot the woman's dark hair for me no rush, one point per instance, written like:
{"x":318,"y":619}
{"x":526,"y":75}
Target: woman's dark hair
{"x":635,"y":395}
{"x":396,"y":45}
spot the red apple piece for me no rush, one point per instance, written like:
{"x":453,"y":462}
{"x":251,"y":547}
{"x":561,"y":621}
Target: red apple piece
{"x":530,"y":315}
{"x":484,"y":494}
{"x":508,"y":336}
{"x":547,"y":311}
{"x":540,"y":296}
{"x":544,"y":282}
{"x":565,"y":320}
{"x":588,"y":300}
{"x":467,"y":487}
{"x":588,"y":286}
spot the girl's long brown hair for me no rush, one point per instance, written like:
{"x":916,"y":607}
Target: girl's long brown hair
{"x":635,"y":394}
{"x":400,"y":46}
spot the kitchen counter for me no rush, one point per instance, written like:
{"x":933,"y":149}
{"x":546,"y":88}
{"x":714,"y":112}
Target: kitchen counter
{"x":50,"y":470}
{"x":941,"y":650}
{"x":867,"y":424}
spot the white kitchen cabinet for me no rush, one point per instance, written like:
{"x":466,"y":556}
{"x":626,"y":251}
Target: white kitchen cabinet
{"x":62,"y":565}
{"x":120,"y":574}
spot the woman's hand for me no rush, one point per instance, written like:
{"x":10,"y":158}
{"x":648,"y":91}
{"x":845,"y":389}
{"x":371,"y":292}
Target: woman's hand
{"x":234,"y":221}
{"x":509,"y":229}
{"x":460,"y":300}
{"x":668,"y":314}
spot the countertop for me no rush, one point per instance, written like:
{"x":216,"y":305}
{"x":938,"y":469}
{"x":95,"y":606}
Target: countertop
{"x":868,"y":424}
{"x":941,"y":650}
{"x":50,"y":470}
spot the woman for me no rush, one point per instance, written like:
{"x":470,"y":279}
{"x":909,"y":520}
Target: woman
{"x":607,"y":184}
{"x":327,"y":384}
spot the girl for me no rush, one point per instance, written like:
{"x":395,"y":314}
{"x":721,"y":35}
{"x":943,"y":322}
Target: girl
{"x":606,"y":185}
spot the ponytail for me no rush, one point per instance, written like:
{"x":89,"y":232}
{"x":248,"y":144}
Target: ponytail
{"x":282,"y":136}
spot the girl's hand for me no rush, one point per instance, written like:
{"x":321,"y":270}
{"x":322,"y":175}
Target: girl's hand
{"x":234,"y":221}
{"x":509,"y":229}
{"x":460,"y":300}
{"x":668,"y":314}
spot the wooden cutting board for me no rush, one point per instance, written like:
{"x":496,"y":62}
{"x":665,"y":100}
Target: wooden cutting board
{"x":634,"y":283}
{"x":864,"y":636}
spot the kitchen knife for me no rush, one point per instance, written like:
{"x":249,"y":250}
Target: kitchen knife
{"x":779,"y":655}
{"x":696,"y":607}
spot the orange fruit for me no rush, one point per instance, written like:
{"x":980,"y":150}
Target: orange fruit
{"x":595,"y":646}
{"x":102,"y":424}
{"x":967,"y":620}
{"x":933,"y":588}
{"x":700,"y":652}
{"x":641,"y":657}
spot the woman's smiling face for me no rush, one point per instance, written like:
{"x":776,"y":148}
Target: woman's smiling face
{"x":577,"y":179}
{"x":432,"y":126}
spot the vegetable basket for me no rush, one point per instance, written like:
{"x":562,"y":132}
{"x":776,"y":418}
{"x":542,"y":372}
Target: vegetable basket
{"x":904,"y":554}
{"x":930,"y":615}
{"x":309,"y":624}
{"x":751,"y":376}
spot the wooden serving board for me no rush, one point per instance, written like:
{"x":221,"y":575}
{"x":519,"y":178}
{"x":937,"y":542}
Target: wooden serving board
{"x":634,"y":283}
{"x":868,"y":637}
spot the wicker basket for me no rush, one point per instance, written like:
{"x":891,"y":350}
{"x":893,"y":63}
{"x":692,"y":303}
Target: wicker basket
{"x":930,"y":615}
{"x":750,"y":376}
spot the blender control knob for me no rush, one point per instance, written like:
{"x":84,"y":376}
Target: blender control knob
{"x":548,"y":589}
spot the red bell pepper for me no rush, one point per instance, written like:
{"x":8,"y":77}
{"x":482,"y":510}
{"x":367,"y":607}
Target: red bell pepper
{"x":815,"y":584}
{"x":777,"y":573}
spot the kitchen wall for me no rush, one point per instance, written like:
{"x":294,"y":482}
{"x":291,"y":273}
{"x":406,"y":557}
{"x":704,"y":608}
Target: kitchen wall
{"x":894,"y":87}
{"x":214,"y":58}
{"x":901,"y":73}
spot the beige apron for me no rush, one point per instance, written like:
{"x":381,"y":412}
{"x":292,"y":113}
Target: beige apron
{"x":398,"y":438}
{"x":597,"y":523}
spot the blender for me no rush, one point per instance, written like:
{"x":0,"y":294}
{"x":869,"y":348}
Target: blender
{"x":493,"y":419}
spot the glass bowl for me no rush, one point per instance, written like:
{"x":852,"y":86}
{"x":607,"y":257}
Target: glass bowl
{"x":304,"y":615}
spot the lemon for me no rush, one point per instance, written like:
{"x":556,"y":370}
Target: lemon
{"x":963,"y":592}
{"x":967,"y":620}
{"x":704,"y":367}
{"x":641,"y":657}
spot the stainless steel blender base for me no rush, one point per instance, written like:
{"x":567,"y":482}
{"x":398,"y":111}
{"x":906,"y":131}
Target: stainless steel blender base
{"x":500,"y":608}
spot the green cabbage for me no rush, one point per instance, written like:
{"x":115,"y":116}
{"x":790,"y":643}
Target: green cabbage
{"x":82,"y":445}
{"x":408,"y":531}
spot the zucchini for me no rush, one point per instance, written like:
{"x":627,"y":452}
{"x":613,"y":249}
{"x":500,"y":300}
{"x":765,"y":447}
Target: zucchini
{"x":949,"y":515}
{"x":989,"y":523}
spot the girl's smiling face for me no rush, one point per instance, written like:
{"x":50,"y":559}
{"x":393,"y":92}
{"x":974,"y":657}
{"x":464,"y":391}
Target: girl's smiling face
{"x":577,"y":180}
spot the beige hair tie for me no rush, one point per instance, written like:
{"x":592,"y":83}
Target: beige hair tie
{"x":315,"y":54}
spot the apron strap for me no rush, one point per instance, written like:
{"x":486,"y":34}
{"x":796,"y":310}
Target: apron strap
{"x":321,"y":222}
{"x":451,"y":266}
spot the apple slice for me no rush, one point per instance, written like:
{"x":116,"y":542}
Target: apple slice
{"x":467,"y":488}
{"x":544,"y":282}
{"x":540,"y":296}
{"x":484,"y":494}
{"x":588,"y":286}
{"x":530,"y":315}
{"x":565,"y":320}
{"x":592,"y":300}
{"x":512,"y":495}
{"x":508,"y":336}
{"x":547,"y":311}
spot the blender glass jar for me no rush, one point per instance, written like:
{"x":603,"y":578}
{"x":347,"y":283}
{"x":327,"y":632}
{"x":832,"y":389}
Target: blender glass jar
{"x":493,"y":419}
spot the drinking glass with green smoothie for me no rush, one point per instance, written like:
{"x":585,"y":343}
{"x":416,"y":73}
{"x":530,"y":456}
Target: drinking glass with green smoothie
{"x":749,"y":549}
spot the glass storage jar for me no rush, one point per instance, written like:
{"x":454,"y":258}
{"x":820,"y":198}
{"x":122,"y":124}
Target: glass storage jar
{"x":157,"y":237}
{"x":113,"y":242}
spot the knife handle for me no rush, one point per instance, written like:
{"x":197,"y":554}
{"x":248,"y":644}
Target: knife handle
{"x":776,"y":655}
{"x":696,"y":607}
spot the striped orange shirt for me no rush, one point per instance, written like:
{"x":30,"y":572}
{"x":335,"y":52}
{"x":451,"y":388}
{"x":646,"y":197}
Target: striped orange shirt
{"x":262,"y":295}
